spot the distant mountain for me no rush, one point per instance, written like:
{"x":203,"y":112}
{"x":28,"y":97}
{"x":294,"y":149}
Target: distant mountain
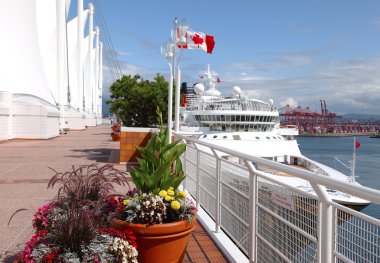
{"x":361,"y":117}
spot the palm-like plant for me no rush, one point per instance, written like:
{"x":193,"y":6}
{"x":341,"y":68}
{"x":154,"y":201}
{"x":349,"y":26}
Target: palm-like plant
{"x":160,"y":166}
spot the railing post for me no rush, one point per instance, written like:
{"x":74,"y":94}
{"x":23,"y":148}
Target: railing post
{"x":252,"y":211}
{"x":184,"y":168}
{"x":325,"y":225}
{"x":197,"y":183}
{"x":218,"y":191}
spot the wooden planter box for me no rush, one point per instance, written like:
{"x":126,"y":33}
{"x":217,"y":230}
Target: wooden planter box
{"x":130,"y":137}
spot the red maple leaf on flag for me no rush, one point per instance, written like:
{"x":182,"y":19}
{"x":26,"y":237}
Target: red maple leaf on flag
{"x":197,"y":39}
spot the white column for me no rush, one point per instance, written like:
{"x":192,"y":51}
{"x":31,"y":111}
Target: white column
{"x":101,"y":80}
{"x":80,"y":32}
{"x":177,"y":99}
{"x":96,"y":72}
{"x":90,"y":51}
{"x":61,"y":34}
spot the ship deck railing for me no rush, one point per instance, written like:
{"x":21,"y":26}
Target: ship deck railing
{"x":256,"y":218}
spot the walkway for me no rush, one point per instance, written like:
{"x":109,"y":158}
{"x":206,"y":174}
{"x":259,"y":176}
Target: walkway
{"x":24,"y":174}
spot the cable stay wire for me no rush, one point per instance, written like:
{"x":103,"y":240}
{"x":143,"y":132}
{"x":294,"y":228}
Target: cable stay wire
{"x":109,"y":50}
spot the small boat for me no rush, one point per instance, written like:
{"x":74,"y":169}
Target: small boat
{"x":375,"y":135}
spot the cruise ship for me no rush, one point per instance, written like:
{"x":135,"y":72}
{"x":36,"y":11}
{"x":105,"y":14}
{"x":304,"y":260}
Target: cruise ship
{"x":252,"y":127}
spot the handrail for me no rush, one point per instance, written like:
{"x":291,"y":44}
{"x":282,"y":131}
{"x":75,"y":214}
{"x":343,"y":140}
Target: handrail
{"x":269,"y":219}
{"x":364,"y":192}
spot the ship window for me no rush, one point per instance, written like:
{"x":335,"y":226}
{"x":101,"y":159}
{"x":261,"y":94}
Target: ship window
{"x":204,"y":136}
{"x":228,"y":118}
{"x":268,"y":137}
{"x":238,"y":118}
{"x":215,"y":136}
{"x":233,"y":118}
{"x":279,"y":137}
{"x":222,"y":118}
{"x":224,"y":137}
{"x":257,"y":137}
{"x":242,"y":118}
{"x":274,"y":137}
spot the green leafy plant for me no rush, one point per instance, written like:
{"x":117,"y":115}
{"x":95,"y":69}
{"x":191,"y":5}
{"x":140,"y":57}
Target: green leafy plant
{"x":160,"y":166}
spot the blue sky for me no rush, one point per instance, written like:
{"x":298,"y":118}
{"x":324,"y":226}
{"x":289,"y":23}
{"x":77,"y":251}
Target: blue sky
{"x":295,"y":52}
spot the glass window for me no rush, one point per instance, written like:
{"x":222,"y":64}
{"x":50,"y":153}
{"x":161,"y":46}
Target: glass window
{"x":233,"y":118}
{"x":222,"y":118}
{"x":228,"y":118}
{"x":237,"y":117}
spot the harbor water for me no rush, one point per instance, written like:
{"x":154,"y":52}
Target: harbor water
{"x":325,"y":149}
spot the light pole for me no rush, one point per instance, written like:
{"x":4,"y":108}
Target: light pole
{"x":168,"y":51}
{"x":180,"y":38}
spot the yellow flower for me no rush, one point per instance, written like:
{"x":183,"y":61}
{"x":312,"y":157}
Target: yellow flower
{"x":168,"y":198}
{"x":175,"y":205}
{"x":171,"y":192}
{"x":162,"y":193}
{"x":182,"y":194}
{"x":171,"y":188}
{"x":126,"y":201}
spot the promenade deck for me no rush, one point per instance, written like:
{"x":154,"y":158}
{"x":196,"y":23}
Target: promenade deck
{"x":24,"y":173}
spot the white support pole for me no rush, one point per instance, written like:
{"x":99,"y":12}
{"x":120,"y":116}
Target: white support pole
{"x":325,"y":225}
{"x":80,"y":32}
{"x":252,"y":211}
{"x":61,"y":40}
{"x":218,"y":191}
{"x":177,"y":98}
{"x":96,"y":75}
{"x":90,"y":51}
{"x":101,"y":80}
{"x":170,"y":103}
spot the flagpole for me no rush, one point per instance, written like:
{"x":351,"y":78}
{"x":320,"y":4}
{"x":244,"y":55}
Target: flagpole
{"x":353,"y":162}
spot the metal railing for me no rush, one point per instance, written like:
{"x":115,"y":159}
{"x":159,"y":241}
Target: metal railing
{"x":272,"y":222}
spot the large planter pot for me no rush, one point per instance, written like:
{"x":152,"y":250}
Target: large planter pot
{"x":159,"y":243}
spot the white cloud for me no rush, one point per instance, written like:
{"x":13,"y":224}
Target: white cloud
{"x":349,"y":86}
{"x":122,"y":53}
{"x":289,"y":101}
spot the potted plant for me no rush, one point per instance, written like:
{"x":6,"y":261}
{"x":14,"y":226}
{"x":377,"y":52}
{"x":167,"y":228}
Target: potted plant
{"x":160,"y":216}
{"x":115,"y":134}
{"x":73,"y":228}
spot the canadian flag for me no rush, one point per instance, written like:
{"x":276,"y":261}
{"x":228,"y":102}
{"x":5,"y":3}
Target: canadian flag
{"x":357,"y":144}
{"x":198,"y":40}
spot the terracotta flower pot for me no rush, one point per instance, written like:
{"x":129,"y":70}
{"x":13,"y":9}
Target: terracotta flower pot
{"x":115,"y":138}
{"x":159,"y":243}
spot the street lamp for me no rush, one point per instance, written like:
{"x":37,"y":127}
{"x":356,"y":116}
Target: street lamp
{"x":180,"y":37}
{"x":168,"y":51}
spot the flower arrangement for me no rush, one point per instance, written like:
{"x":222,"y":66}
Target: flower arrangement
{"x":156,"y":199}
{"x":116,"y":128}
{"x":74,"y":228}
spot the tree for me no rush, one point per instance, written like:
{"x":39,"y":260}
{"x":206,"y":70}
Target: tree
{"x":135,"y":100}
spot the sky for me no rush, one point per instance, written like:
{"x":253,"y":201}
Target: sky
{"x":294,"y":52}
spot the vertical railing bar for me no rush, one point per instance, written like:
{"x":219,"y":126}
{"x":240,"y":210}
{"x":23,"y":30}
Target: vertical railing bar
{"x":184,"y":169}
{"x":252,"y":211}
{"x":218,"y":193}
{"x":197,"y":183}
{"x":334,"y":230}
{"x":325,"y":223}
